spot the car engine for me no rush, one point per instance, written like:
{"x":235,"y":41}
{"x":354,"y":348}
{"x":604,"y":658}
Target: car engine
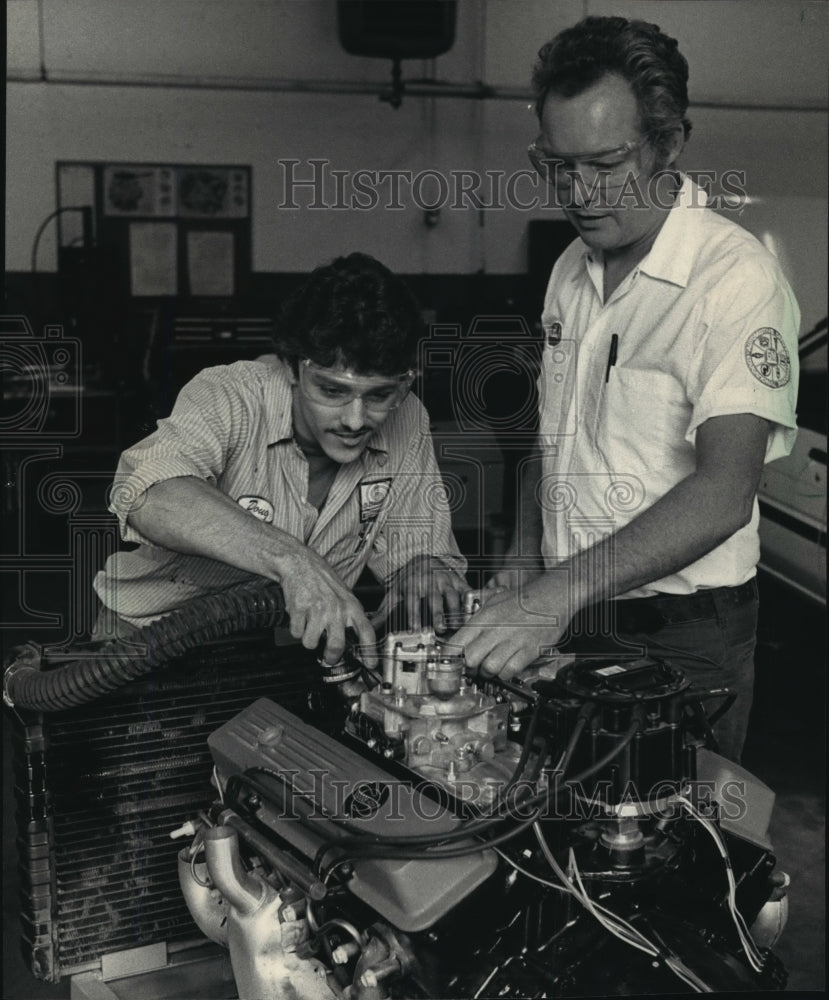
{"x":420,"y":832}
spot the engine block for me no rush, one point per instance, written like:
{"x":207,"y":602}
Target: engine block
{"x":337,"y":866}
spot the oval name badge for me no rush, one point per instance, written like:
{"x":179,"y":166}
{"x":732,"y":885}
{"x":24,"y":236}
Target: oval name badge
{"x":258,"y":506}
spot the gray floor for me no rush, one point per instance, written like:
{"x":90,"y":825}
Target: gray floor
{"x":786,"y":749}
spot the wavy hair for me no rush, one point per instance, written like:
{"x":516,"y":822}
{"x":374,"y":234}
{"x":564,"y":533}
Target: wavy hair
{"x":352,"y":312}
{"x":639,"y":52}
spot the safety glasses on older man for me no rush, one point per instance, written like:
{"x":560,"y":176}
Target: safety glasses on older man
{"x":337,"y":388}
{"x":611,"y":168}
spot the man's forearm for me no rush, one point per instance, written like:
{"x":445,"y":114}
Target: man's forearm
{"x":516,"y":624}
{"x":684,"y":525}
{"x":191,"y":516}
{"x":690,"y":520}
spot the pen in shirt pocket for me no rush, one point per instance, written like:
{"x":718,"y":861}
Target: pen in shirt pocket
{"x":365,"y":535}
{"x":611,"y":356}
{"x":362,"y":538}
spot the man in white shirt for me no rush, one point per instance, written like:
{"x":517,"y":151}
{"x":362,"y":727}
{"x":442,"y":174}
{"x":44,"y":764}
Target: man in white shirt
{"x":669,"y":377}
{"x":304,"y":467}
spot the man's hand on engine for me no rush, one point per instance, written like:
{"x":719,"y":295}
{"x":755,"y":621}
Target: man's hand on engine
{"x":319,"y":604}
{"x":516,"y":626}
{"x":426,"y":578}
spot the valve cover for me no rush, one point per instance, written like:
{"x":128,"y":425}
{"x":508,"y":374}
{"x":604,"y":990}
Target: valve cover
{"x":311,"y":775}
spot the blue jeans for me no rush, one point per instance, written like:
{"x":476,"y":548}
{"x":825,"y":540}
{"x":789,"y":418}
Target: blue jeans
{"x":711,"y":636}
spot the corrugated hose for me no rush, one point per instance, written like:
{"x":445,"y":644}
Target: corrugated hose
{"x":29,"y":682}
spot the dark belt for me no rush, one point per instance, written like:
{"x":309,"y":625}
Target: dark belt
{"x":649,"y":614}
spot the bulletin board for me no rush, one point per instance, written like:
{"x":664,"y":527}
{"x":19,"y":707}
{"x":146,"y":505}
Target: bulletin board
{"x":176,"y":230}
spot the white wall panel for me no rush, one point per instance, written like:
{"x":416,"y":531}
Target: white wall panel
{"x":22,"y":49}
{"x":350,"y":133}
{"x":292,"y":39}
{"x":743,"y":51}
{"x":258,"y":39}
{"x":516,"y":30}
{"x":739,"y":52}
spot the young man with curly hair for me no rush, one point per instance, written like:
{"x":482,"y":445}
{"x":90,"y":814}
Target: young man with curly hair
{"x":669,"y":377}
{"x":303,"y":467}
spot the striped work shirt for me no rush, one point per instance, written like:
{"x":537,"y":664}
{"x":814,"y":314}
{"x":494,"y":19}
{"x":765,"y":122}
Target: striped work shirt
{"x":232,"y":426}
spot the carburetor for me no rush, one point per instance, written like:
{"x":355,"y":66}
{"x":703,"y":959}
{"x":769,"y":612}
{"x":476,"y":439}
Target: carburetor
{"x":432,"y":718}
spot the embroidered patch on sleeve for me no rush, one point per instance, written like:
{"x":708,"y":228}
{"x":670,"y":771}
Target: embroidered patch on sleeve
{"x":767,"y":358}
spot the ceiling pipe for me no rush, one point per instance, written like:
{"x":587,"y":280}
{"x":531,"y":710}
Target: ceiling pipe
{"x":411,"y":88}
{"x":382,"y":90}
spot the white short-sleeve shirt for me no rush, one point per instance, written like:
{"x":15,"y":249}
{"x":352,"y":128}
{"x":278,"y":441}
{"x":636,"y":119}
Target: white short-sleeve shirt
{"x":705,"y":325}
{"x":232,"y":426}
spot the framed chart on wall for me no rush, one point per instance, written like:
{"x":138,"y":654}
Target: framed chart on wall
{"x":175,"y":230}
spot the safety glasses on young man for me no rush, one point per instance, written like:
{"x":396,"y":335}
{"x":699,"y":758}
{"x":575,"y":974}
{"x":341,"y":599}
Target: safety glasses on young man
{"x":379,"y":393}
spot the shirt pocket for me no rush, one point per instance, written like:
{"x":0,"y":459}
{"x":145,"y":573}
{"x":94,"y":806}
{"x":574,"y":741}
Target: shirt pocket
{"x":642,"y":421}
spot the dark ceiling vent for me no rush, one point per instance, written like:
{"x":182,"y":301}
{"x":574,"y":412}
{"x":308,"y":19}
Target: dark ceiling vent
{"x":397,"y":29}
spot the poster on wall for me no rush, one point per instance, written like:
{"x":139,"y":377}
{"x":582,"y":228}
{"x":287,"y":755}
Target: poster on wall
{"x":153,"y":258}
{"x":210,"y":262}
{"x":172,"y":230}
{"x":138,"y":191}
{"x":175,"y":191}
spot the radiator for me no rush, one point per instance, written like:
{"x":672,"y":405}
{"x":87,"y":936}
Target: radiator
{"x":99,"y":788}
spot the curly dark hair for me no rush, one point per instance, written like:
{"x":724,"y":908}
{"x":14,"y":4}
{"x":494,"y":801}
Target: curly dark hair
{"x":353,"y":312}
{"x":639,"y":52}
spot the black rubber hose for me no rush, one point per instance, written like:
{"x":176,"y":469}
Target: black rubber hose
{"x":254,"y":604}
